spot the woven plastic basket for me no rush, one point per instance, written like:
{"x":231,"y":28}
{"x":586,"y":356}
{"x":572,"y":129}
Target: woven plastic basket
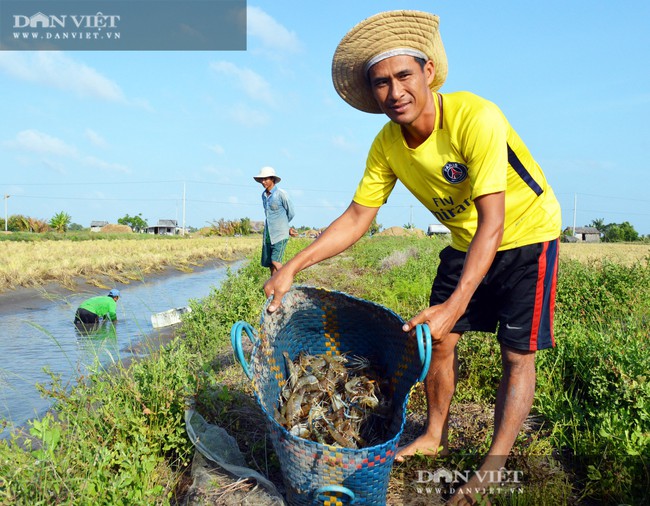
{"x":317,"y":321}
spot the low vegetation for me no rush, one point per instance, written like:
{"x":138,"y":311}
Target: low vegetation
{"x":106,"y":259}
{"x":118,"y":437}
{"x":598,"y":253}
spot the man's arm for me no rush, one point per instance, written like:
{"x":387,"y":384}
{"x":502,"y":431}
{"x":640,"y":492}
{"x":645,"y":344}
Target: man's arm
{"x":489,"y":233}
{"x":112,"y":311}
{"x":288,"y":205}
{"x":339,"y":236}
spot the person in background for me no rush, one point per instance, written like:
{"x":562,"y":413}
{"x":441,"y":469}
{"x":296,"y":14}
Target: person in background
{"x":278,"y":211}
{"x":459,"y":155}
{"x":92,"y":310}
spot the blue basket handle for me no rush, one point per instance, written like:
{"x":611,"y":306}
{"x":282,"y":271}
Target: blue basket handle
{"x":235,"y":340}
{"x":422,"y":331}
{"x":329,"y":489}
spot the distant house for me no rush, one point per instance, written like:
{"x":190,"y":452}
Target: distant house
{"x":96,"y":226}
{"x":586,"y":234}
{"x":164,"y":227}
{"x":437,"y":229}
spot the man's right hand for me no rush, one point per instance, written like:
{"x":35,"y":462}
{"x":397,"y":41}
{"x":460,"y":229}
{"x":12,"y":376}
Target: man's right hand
{"x":277,"y":286}
{"x":340,"y":235}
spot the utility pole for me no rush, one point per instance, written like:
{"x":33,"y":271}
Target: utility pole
{"x":183,"y":233}
{"x":6,"y":219}
{"x":575,"y":210}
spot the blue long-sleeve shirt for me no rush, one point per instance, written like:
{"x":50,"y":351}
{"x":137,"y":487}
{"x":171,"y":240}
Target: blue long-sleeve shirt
{"x":278,"y":210}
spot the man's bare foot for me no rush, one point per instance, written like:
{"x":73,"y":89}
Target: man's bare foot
{"x":422,"y":445}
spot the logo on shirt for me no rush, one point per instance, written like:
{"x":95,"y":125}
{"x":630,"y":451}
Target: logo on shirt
{"x":454,"y":172}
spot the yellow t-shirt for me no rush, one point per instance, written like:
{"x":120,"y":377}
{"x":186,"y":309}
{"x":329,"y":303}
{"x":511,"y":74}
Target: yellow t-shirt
{"x":472,"y":151}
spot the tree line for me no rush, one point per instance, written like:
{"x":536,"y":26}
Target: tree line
{"x":62,"y":222}
{"x":617,"y":232}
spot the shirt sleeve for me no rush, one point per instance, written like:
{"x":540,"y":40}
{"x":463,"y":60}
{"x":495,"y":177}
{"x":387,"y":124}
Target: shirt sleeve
{"x":378,"y":179}
{"x":112,"y":311}
{"x":288,"y":205}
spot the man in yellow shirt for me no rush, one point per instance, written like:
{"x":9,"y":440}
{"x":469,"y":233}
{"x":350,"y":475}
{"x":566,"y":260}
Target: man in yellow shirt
{"x":460,"y":157}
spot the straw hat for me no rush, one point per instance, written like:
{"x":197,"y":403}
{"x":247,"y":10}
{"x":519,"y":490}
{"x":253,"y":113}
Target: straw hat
{"x":267,"y":172}
{"x":381,"y":36}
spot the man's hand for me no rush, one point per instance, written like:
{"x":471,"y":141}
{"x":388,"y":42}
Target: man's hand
{"x":440,"y":319}
{"x":489,"y":232}
{"x":277,"y":286}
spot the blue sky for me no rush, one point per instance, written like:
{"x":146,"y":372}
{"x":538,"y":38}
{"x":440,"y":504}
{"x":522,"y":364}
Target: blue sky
{"x":107,"y":133}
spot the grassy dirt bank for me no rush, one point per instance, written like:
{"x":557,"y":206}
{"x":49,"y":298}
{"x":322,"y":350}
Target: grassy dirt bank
{"x":120,"y":438}
{"x":585,"y":442}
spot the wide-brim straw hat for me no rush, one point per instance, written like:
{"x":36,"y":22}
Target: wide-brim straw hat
{"x":404,"y":29}
{"x":267,"y":172}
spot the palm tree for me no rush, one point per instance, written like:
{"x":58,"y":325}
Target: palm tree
{"x":599,"y":224}
{"x":60,"y":221}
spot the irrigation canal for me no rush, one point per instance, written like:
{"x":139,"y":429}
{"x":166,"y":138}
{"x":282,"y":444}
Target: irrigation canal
{"x":44,"y":336}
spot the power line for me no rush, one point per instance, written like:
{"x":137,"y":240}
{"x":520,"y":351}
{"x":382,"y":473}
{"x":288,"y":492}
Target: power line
{"x":180,"y":181}
{"x":608,"y":197}
{"x":255,"y":204}
{"x":194,"y":201}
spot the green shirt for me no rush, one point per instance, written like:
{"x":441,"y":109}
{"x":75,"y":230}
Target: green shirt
{"x":102,"y":306}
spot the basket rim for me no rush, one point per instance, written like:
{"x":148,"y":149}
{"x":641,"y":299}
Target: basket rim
{"x":393,"y":442}
{"x":300,"y":287}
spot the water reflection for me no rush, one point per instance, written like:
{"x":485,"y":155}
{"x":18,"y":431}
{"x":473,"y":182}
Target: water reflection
{"x":36,"y":339}
{"x":97,"y":342}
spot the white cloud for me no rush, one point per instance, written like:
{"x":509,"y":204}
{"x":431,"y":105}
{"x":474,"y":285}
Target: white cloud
{"x":272,"y":34}
{"x":96,"y":163}
{"x":39,"y":142}
{"x":55,"y":166}
{"x":35,"y":142}
{"x":217,"y":148}
{"x":332,"y":206}
{"x":250,"y":82}
{"x":57,"y":70}
{"x":343,"y":143}
{"x":95,"y":139}
{"x":247,"y":116}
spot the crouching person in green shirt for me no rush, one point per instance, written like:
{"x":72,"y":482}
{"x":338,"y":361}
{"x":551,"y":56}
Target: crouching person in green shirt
{"x":104,"y":306}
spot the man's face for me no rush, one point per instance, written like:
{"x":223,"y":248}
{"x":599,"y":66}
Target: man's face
{"x":267,"y":182}
{"x":401,"y":87}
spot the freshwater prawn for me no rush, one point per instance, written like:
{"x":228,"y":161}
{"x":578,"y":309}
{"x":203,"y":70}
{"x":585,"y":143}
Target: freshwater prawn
{"x":327,"y":399}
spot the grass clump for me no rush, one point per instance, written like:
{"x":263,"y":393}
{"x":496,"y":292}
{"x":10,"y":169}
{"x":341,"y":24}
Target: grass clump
{"x":116,"y":438}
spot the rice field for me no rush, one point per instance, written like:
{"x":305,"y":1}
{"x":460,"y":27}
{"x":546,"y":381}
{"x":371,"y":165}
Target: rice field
{"x":98,"y":262}
{"x":620,"y":253}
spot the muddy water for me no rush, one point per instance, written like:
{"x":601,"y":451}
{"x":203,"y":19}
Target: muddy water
{"x":38,"y":334}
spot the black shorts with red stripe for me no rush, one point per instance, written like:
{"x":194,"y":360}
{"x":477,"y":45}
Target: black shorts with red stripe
{"x":516,"y":298}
